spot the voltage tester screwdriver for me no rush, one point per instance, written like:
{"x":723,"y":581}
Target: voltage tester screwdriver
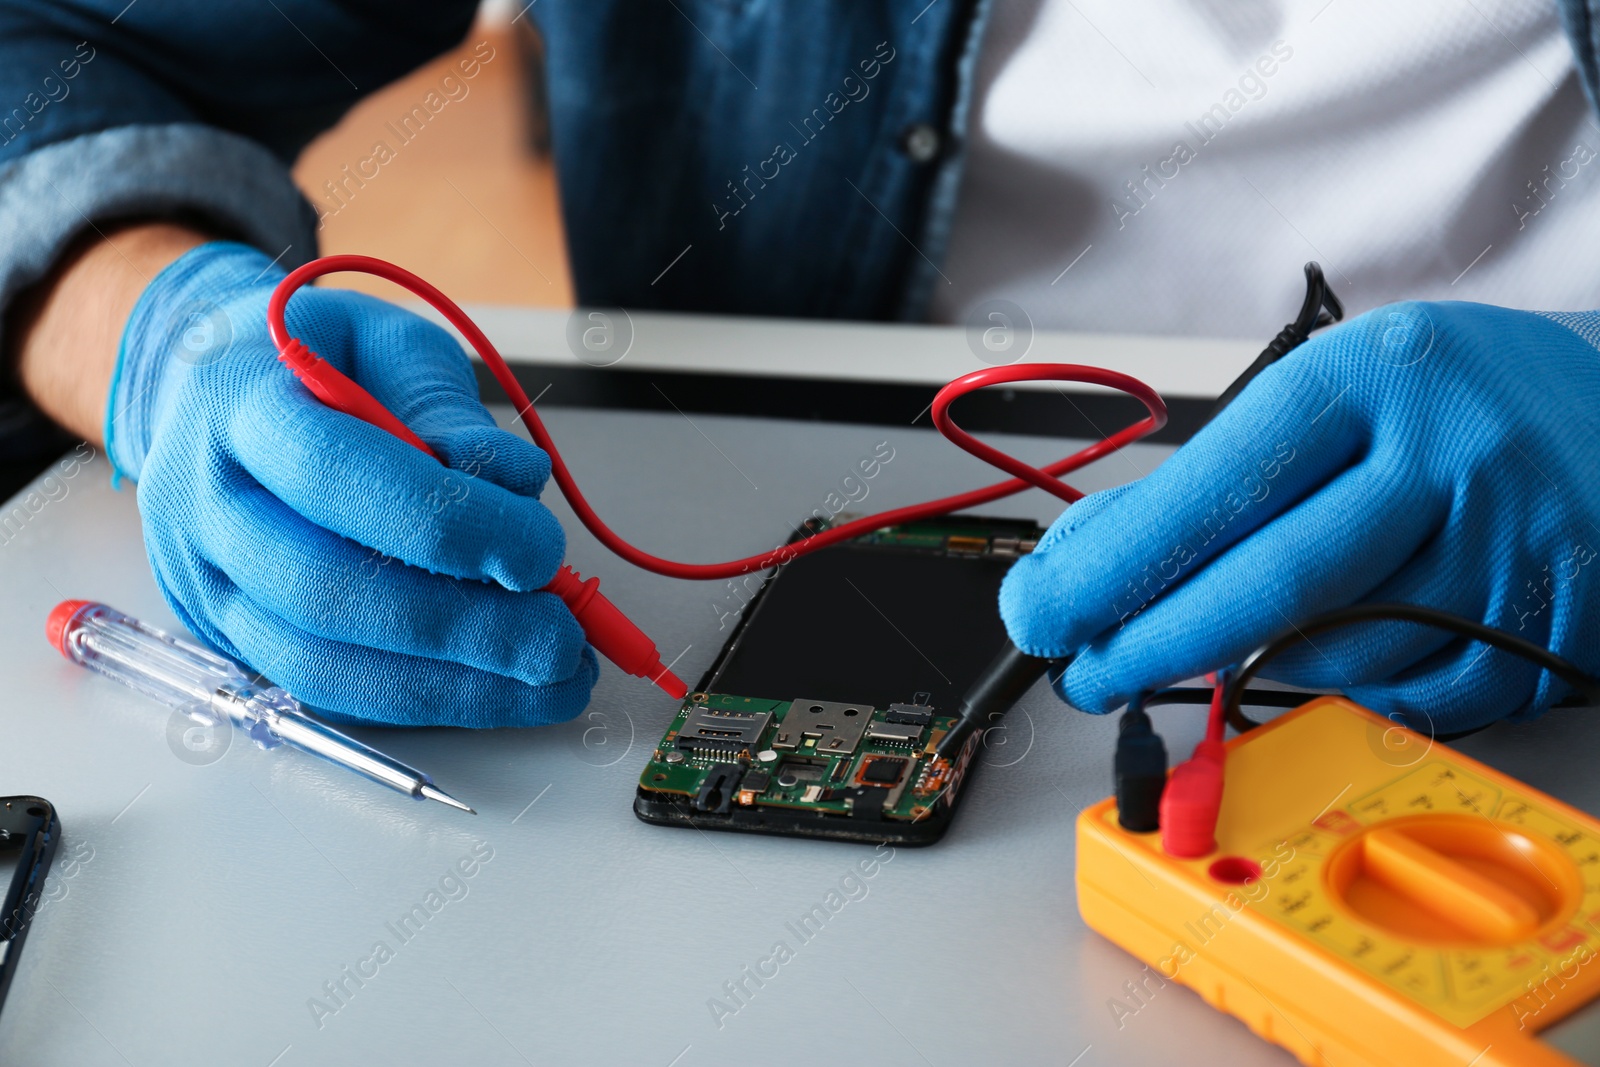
{"x":216,"y":691}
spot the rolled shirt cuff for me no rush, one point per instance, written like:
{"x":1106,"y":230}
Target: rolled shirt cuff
{"x":183,"y":171}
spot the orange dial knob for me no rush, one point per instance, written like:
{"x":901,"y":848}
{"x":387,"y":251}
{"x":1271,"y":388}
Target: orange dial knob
{"x":1458,"y":879}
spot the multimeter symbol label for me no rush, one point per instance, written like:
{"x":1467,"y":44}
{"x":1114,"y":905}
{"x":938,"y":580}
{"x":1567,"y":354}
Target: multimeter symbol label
{"x":1445,"y":889}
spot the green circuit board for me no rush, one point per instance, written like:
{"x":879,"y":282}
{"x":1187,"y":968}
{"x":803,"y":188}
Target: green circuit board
{"x":723,"y":752}
{"x":871,"y":645}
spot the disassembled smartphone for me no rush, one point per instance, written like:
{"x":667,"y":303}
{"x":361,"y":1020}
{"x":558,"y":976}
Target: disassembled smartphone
{"x":29,"y":833}
{"x":820,"y":716}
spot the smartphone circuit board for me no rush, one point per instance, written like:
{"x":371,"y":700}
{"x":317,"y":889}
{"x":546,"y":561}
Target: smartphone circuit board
{"x":821,"y":716}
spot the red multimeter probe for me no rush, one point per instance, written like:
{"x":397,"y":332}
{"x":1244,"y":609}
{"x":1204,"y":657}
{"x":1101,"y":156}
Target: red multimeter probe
{"x":611,"y":632}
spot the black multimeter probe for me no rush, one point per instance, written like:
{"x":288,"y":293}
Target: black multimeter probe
{"x":1002,"y":683}
{"x":1013,"y":672}
{"x":1140,"y":766}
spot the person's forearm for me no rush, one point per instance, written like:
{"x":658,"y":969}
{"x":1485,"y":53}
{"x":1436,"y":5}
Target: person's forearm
{"x":64,"y":332}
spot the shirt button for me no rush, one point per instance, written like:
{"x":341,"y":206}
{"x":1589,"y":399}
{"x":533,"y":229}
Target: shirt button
{"x":920,"y":142}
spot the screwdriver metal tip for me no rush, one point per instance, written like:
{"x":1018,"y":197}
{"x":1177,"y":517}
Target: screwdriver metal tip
{"x":445,"y":798}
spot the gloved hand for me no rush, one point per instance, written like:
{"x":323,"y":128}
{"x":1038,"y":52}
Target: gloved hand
{"x":1440,"y":454}
{"x":354,"y":570}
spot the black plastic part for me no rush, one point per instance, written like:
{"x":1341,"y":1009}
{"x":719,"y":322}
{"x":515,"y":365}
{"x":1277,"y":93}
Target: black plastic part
{"x":1141,"y":772}
{"x":866,"y":801}
{"x":30,"y":831}
{"x":718,"y":787}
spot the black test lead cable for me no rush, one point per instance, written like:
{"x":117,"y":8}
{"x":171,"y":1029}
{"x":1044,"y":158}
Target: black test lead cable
{"x":1254,"y":698}
{"x":1586,"y":688}
{"x":1319,"y":308}
{"x":1013,"y":672}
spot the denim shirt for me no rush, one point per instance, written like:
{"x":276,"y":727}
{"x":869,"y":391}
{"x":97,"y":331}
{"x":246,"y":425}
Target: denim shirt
{"x":781,"y":157}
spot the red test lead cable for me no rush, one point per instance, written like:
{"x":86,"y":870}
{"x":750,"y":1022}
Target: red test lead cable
{"x":612,"y":633}
{"x":617,"y":633}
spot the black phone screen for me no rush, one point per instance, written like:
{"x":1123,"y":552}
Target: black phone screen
{"x":871,"y":624}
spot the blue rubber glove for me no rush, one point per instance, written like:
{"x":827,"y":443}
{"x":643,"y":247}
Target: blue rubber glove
{"x":347,"y":566}
{"x":1440,"y":454}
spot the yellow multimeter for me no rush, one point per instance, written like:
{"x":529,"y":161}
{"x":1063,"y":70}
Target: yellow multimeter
{"x":1375,"y":898}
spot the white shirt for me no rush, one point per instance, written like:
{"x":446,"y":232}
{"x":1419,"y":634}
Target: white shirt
{"x":1419,"y":149}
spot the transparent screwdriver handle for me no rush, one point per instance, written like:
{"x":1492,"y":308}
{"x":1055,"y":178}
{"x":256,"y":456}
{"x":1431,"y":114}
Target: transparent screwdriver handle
{"x":216,"y":690}
{"x":176,"y":672}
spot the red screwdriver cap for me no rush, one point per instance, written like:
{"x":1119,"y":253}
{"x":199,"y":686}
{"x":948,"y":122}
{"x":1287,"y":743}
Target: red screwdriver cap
{"x":55,"y":625}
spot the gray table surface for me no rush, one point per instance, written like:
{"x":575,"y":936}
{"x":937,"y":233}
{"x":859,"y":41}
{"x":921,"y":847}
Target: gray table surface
{"x":197,"y":909}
